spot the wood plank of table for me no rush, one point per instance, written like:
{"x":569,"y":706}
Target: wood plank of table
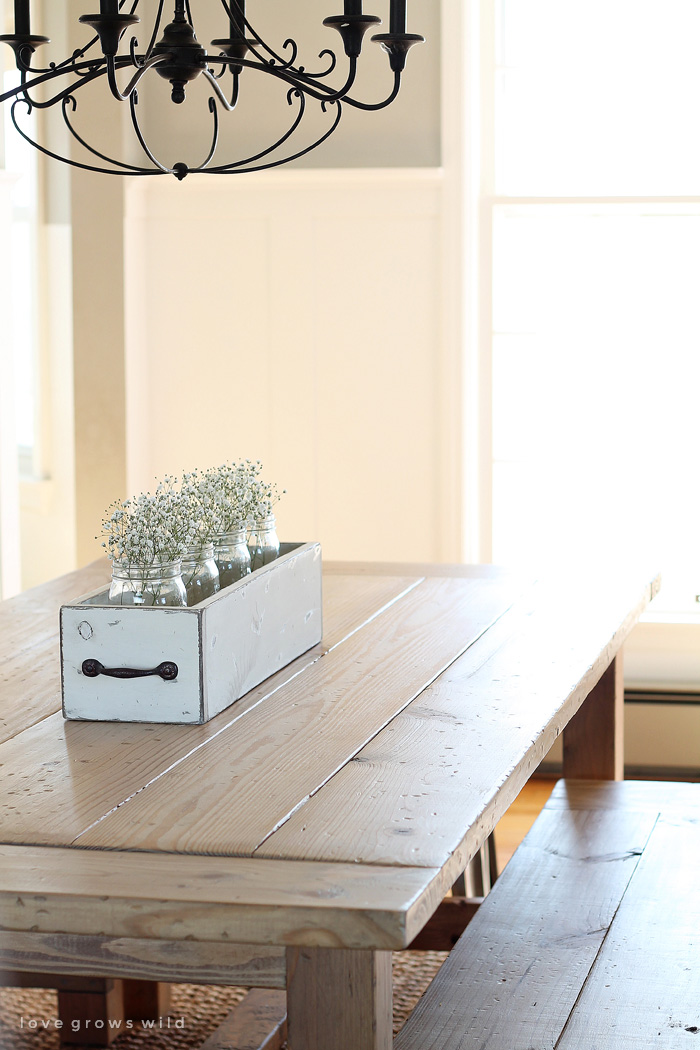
{"x":82,"y":770}
{"x":46,"y":960}
{"x":34,"y":613}
{"x":30,"y":686}
{"x":565,"y":884}
{"x":249,"y":780}
{"x":229,"y":900}
{"x":428,"y":569}
{"x":433,"y":784}
{"x":644,"y":989}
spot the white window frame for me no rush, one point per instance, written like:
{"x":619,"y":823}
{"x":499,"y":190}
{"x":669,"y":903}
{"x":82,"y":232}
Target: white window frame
{"x":664,"y":652}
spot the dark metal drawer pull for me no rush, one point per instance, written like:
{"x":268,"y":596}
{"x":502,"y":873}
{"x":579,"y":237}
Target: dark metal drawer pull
{"x":167,"y":671}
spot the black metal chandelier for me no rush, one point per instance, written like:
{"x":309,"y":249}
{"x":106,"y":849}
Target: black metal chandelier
{"x":175,"y":54}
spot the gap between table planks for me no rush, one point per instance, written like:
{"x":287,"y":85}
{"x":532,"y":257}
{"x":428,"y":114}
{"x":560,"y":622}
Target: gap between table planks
{"x":229,"y":798}
{"x":458,"y":755}
{"x":58,"y":759}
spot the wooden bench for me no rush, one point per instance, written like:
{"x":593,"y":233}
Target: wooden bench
{"x":590,"y":939}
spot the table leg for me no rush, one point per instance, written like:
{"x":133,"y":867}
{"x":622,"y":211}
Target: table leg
{"x":593,"y":739}
{"x":338,"y":999}
{"x":145,"y":1000}
{"x":91,"y":1018}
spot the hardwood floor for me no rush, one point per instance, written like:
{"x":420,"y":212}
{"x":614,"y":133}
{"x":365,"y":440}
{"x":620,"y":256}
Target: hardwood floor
{"x":514,"y":826}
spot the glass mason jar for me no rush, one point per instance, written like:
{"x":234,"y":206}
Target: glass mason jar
{"x":232,"y":557}
{"x":200,"y":573}
{"x":263,"y":543}
{"x":156,"y":584}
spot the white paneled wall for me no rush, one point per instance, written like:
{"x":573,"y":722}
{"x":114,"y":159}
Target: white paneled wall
{"x":297,"y":317}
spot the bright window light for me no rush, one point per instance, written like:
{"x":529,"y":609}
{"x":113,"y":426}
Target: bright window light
{"x":596,"y":345}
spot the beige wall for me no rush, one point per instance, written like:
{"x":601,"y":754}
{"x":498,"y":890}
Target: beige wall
{"x":195,"y":257}
{"x":311,"y":339}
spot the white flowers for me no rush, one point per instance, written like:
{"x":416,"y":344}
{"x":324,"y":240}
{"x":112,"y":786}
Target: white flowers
{"x":185,"y":515}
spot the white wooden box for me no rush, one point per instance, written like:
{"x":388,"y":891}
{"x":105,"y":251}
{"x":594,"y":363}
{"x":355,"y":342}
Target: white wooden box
{"x":222,"y":647}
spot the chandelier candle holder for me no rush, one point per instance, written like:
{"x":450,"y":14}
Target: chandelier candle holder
{"x":175,"y":55}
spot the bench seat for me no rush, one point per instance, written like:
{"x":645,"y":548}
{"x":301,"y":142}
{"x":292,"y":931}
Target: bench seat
{"x":590,"y":939}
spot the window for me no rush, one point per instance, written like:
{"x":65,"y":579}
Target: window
{"x":592,"y":181}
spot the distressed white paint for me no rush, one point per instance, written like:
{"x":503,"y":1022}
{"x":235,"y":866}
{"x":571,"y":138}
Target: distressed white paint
{"x":223,"y":647}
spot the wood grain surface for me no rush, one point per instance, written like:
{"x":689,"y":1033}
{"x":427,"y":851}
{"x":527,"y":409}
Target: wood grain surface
{"x":430,"y":787}
{"x":235,"y":900}
{"x":653,"y":796}
{"x":594,"y":738}
{"x":144,"y":961}
{"x":57,"y":778}
{"x":644,"y":991}
{"x":514,"y":977}
{"x":259,"y":1022}
{"x":30,"y":674}
{"x":332,"y":806}
{"x":216,"y":802}
{"x":339,"y":1000}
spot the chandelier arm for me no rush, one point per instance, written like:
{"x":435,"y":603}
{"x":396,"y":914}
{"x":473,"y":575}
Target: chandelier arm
{"x":215,"y":138}
{"x":286,"y":64}
{"x":259,"y":40}
{"x":235,"y":89}
{"x":296,"y":80}
{"x":154,"y":60}
{"x":325,"y":72}
{"x":235,"y":169}
{"x":133,"y":99}
{"x":95,"y":68}
{"x":219,"y":75}
{"x":54,"y":67}
{"x":87,"y":79}
{"x":228,"y":106}
{"x":68,"y":101}
{"x":377,"y":105}
{"x":67,"y":160}
{"x":270,"y":149}
{"x":156,"y":29}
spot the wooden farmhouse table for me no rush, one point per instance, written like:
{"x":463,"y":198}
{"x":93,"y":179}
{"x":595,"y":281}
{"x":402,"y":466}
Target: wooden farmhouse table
{"x":316,"y":825}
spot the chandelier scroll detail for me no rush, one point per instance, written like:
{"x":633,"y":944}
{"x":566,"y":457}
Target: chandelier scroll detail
{"x":174,"y":54}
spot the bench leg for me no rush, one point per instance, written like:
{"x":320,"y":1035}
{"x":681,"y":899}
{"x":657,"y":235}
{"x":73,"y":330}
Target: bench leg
{"x":338,"y":999}
{"x":593,"y":739}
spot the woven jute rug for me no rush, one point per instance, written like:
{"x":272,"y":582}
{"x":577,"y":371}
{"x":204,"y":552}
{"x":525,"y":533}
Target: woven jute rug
{"x":195,"y":1012}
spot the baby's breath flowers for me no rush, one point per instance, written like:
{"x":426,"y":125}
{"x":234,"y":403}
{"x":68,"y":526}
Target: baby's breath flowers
{"x":262,"y":497}
{"x":146,"y":537}
{"x":183,"y":517}
{"x":150,"y":528}
{"x":205,"y":506}
{"x":231,"y":486}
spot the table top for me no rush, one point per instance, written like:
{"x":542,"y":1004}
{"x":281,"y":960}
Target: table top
{"x":334,"y":804}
